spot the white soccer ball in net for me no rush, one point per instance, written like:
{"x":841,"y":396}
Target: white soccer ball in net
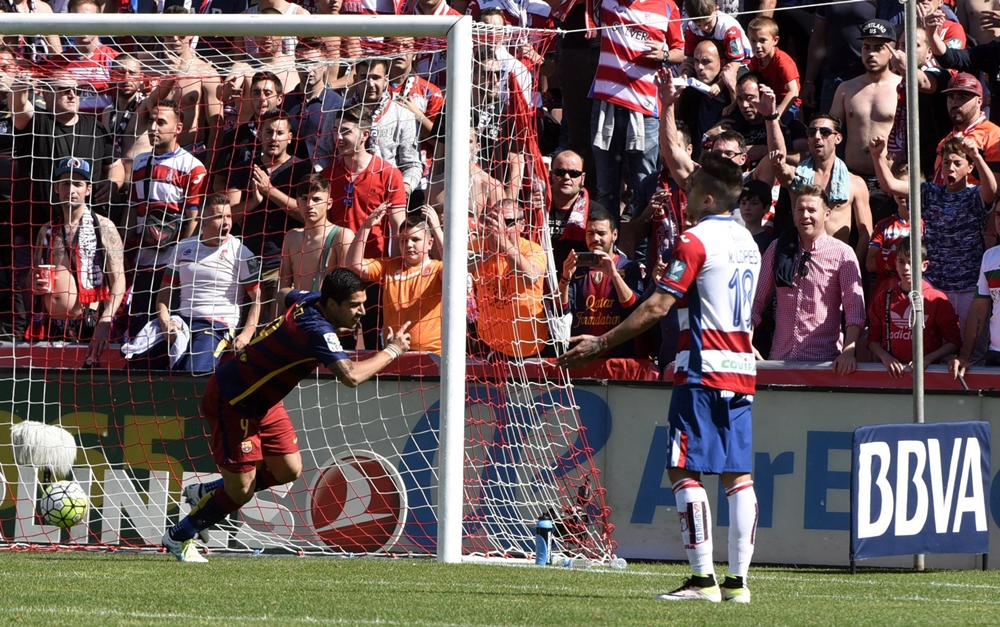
{"x":64,"y":504}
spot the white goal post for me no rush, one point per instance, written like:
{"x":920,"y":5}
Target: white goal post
{"x":458,"y":31}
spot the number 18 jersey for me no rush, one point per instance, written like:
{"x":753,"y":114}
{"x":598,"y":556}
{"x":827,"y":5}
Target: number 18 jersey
{"x":713,"y":273}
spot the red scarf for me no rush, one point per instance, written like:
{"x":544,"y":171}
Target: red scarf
{"x":576,"y":224}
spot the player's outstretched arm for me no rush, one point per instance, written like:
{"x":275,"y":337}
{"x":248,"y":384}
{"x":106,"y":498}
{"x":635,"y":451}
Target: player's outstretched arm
{"x":353,"y":373}
{"x":646,"y":315}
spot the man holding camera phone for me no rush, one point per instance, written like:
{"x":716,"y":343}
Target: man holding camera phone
{"x":600,"y":287}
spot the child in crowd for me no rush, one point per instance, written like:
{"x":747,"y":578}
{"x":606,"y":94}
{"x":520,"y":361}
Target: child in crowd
{"x":890,"y":336}
{"x":776,"y":66}
{"x":705,"y":21}
{"x":755,"y":208}
{"x":887,"y":234}
{"x":411,"y":283}
{"x":954,"y":214}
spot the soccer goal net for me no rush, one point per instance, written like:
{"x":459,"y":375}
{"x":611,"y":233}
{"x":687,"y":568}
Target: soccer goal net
{"x":169,"y":186}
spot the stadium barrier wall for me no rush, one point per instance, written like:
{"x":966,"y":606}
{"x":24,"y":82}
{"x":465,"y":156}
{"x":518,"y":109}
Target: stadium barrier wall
{"x":142,"y":453}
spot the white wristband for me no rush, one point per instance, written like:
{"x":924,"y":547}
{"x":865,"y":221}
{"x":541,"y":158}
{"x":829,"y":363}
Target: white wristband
{"x":394,"y":352}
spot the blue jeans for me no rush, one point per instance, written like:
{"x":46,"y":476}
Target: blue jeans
{"x":618,"y":164}
{"x":208,"y":339}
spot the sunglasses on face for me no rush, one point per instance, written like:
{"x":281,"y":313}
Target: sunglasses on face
{"x":561,"y":172}
{"x":822,"y":130}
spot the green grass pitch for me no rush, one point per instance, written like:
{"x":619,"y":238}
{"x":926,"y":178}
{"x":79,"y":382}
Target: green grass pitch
{"x":77,"y":589}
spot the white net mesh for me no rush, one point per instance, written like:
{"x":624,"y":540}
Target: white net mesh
{"x":166,"y":131}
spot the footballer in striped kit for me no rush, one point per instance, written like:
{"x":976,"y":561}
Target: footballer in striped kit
{"x":711,"y":279}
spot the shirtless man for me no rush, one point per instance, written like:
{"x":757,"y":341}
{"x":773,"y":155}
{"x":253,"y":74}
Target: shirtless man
{"x":193,"y":83}
{"x":311,"y":252}
{"x":270,"y":54}
{"x":822,"y":167}
{"x":91,"y":286}
{"x":867,"y":106}
{"x":980,"y":19}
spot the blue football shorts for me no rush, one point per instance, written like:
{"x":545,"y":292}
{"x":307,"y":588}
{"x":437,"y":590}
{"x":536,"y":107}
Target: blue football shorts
{"x":710,"y":430}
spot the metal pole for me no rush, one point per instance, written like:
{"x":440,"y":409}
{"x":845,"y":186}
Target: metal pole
{"x":916,"y":269}
{"x":451,"y":461}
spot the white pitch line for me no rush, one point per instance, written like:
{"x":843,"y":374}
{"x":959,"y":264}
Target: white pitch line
{"x":872,"y":597}
{"x":266,"y":619}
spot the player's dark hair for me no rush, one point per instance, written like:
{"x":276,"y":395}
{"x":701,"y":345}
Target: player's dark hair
{"x":311,"y":183}
{"x":720,"y":178}
{"x":262,"y":76}
{"x":416,"y":220}
{"x":826,"y":116}
{"x":598,"y":213}
{"x":757,"y":189}
{"x":340,"y":285}
{"x":903,"y":248}
{"x":269,"y":11}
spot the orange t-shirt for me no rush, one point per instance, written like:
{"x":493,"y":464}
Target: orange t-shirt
{"x":986,"y":134}
{"x":411,"y":295}
{"x":511,"y":313}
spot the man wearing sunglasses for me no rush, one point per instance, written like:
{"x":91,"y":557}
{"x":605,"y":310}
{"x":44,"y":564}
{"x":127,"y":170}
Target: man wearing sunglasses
{"x":817,"y":279}
{"x":571,"y":206}
{"x":846,"y":192}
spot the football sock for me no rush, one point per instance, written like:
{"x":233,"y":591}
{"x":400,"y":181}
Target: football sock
{"x":742,"y":527}
{"x":211,"y":486}
{"x":210,"y":511}
{"x":265,"y":479}
{"x":696,"y":525}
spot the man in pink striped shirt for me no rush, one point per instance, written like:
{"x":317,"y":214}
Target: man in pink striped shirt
{"x":817,"y":279}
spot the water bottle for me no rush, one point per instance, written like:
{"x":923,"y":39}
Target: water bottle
{"x":576,"y":563}
{"x":618,"y":563}
{"x":543,"y":539}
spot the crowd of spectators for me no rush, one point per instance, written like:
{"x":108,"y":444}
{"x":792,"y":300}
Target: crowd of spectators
{"x":173,"y":188}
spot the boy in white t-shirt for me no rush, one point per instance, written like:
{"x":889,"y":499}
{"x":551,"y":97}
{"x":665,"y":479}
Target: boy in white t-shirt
{"x":212,"y":270}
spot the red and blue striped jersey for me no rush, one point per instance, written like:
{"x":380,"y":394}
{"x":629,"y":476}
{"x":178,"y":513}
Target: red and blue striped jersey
{"x":713,"y":273}
{"x":284,"y":353}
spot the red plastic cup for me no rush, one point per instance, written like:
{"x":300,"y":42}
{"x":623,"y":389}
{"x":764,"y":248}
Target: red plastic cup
{"x":47,"y":273}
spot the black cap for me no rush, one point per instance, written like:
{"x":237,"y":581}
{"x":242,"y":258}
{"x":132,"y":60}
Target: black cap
{"x":878,"y":29}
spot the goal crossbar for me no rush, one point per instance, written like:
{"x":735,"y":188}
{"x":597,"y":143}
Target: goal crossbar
{"x":458,"y":98}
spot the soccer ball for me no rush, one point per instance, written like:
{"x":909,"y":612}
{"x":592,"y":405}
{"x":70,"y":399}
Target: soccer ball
{"x":64,"y":504}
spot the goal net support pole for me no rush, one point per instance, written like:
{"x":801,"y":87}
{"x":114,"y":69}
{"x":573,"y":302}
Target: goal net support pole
{"x":458,"y":31}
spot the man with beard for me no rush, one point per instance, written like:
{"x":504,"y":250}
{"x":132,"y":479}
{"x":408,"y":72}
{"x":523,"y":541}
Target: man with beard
{"x":212,"y":271}
{"x":253,"y":441}
{"x":965,"y":102}
{"x":263,"y":196}
{"x":239,"y":145}
{"x":85,"y":251}
{"x":309,"y":106}
{"x":867,"y":106}
{"x":168,"y":185}
{"x":846,"y":193}
{"x":393,"y":129}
